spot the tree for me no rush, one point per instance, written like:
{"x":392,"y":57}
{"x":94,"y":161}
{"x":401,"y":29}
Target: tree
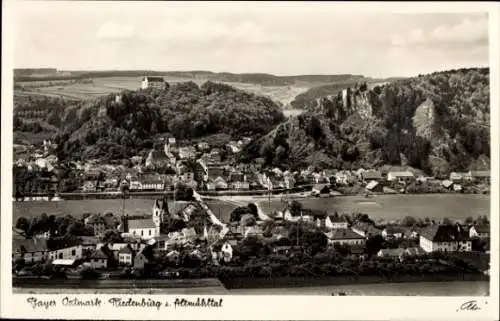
{"x":112,"y":236}
{"x":248,"y":220}
{"x":409,"y":221}
{"x":296,"y":208}
{"x":447,"y":221}
{"x":238,"y":212}
{"x":469,"y":220}
{"x":253,"y":209}
{"x":23,"y":223}
{"x":483,"y":220}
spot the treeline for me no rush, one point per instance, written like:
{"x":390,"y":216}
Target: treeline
{"x":123,"y":129}
{"x":253,"y":78}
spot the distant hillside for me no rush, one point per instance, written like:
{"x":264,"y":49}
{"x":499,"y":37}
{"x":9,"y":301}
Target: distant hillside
{"x":26,"y":75}
{"x":105,"y":128}
{"x":437,"y":123}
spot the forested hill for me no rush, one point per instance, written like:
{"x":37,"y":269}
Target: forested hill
{"x":115,"y":130}
{"x":437,"y":122}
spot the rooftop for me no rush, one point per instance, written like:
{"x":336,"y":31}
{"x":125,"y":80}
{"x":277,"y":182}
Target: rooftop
{"x":444,"y":233}
{"x":343,"y":234}
{"x":141,"y":224}
{"x":154,"y":79}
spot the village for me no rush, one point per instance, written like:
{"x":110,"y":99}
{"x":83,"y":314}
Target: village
{"x":184,"y":239}
{"x":214,"y":171}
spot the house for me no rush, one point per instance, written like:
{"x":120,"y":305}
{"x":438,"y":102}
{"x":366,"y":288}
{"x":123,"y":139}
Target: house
{"x":392,"y":253}
{"x":239,"y":185}
{"x":89,"y":186}
{"x":71,"y":253}
{"x":402,"y":176}
{"x":414,"y":251}
{"x":136,"y":160}
{"x":458,"y":177}
{"x":392,"y":232}
{"x":68,"y":263}
{"x":331,"y":222}
{"x":157,"y":158}
{"x":254,"y":231}
{"x":211,"y":158}
{"x":480,"y":176}
{"x":32,"y":250}
{"x":143,"y":258}
{"x":480,"y":231}
{"x":152,"y":82}
{"x":201,"y":170}
{"x":371,"y":175}
{"x":447,"y":238}
{"x":336,"y":222}
{"x":186,"y":176}
{"x":320,"y":190}
{"x":111,"y":183}
{"x":224,"y":251}
{"x":152,"y":183}
{"x":343,"y":177}
{"x":188,"y":152}
{"x":366,"y":230}
{"x":359,"y":173}
{"x":289,"y":181}
{"x":97,"y":222}
{"x":220,"y":184}
{"x":374,"y":187}
{"x":98,"y":259}
{"x":145,"y":228}
{"x":345,"y":237}
{"x":125,"y":256}
{"x":203,"y":146}
{"x":447,"y":183}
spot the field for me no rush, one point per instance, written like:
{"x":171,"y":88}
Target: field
{"x":387,"y":207}
{"x":107,"y":85}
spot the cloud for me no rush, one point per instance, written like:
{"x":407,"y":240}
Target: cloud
{"x":112,"y":30}
{"x":465,"y":32}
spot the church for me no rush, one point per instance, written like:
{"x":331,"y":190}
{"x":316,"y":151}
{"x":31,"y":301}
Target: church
{"x":148,"y":227}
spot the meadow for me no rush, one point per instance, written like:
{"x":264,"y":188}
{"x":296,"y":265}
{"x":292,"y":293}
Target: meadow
{"x":108,"y":85}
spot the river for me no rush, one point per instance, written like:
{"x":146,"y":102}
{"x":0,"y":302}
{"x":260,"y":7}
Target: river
{"x":437,"y":206}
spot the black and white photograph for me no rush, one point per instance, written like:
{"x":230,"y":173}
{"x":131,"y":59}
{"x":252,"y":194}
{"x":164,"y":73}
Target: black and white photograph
{"x":234,"y":148}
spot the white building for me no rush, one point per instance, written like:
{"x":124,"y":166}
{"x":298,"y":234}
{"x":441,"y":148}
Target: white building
{"x":400,"y":176}
{"x":345,"y":237}
{"x":153,"y":82}
{"x":446,"y":238}
{"x":145,"y":228}
{"x":480,"y":231}
{"x":70,"y":253}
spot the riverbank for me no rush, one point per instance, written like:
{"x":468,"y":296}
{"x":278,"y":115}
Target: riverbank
{"x":310,"y":286}
{"x":297,"y":282}
{"x":297,"y":192}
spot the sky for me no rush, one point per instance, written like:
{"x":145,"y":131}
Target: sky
{"x":282,"y":39}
